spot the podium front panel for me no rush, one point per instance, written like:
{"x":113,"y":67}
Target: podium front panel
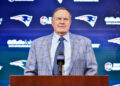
{"x":59,"y":80}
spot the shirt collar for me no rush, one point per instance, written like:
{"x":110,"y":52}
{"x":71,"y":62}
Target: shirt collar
{"x":66,"y":36}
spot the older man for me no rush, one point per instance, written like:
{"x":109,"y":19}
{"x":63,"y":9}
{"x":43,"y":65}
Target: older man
{"x":78,"y":54}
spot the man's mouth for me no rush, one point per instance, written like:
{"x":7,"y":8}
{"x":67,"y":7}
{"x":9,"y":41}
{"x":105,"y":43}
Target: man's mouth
{"x":61,"y":26}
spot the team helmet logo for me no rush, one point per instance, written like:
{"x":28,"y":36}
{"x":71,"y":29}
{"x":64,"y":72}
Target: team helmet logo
{"x":20,"y":63}
{"x":26,"y":19}
{"x":115,"y":40}
{"x":90,"y":19}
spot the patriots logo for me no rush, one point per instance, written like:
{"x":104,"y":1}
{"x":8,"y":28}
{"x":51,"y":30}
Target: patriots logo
{"x":20,"y":63}
{"x":115,"y":40}
{"x":1,"y":67}
{"x":60,"y":1}
{"x":90,"y":19}
{"x":26,"y":19}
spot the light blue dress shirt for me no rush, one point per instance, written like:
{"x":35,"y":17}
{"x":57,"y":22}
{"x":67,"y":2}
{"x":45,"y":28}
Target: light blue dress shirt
{"x":67,"y":51}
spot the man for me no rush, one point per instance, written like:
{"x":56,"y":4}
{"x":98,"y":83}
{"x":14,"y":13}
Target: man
{"x":78,"y":53}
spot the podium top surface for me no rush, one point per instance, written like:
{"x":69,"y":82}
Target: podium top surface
{"x":59,"y":80}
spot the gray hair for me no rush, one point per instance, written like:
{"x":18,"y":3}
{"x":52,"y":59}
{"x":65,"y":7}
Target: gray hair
{"x":60,"y":8}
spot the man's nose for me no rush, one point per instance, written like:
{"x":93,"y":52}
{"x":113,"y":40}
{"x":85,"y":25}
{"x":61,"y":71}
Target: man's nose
{"x":62,"y":21}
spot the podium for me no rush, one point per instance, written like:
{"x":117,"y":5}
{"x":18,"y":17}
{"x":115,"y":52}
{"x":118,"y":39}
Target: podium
{"x":59,"y":80}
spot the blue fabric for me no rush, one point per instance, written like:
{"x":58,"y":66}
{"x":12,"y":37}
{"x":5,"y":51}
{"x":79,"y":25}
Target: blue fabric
{"x":60,"y":48}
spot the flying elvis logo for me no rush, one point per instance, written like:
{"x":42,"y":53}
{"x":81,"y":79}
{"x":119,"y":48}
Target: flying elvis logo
{"x":115,"y":40}
{"x":20,"y":63}
{"x":90,"y":19}
{"x":26,"y":19}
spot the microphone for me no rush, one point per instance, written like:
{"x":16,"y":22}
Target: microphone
{"x":60,"y":61}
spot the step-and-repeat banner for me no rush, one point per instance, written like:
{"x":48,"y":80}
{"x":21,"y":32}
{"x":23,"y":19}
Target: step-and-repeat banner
{"x":22,"y":21}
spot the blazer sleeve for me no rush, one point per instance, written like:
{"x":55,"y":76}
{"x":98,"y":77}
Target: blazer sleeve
{"x":91,"y":62}
{"x":31,"y":64}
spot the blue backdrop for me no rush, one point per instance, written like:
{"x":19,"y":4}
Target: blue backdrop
{"x":23,"y":21}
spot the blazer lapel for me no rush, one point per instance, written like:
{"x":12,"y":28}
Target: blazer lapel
{"x":49,"y":42}
{"x":73,"y":51}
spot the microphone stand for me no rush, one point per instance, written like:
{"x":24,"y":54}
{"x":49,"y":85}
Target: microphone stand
{"x":60,"y":62}
{"x":60,"y":68}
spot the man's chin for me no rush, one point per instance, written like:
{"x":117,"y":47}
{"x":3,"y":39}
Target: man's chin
{"x":62,"y":33}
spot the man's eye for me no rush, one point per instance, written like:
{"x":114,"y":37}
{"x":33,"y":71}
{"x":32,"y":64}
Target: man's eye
{"x":65,"y":18}
{"x":58,"y":18}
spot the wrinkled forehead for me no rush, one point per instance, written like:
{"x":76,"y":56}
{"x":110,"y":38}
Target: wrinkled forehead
{"x":62,"y":13}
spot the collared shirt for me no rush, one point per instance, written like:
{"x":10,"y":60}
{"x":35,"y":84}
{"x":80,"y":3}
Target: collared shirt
{"x":67,"y":51}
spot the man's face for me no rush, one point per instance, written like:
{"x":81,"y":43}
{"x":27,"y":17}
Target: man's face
{"x":61,"y":22}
